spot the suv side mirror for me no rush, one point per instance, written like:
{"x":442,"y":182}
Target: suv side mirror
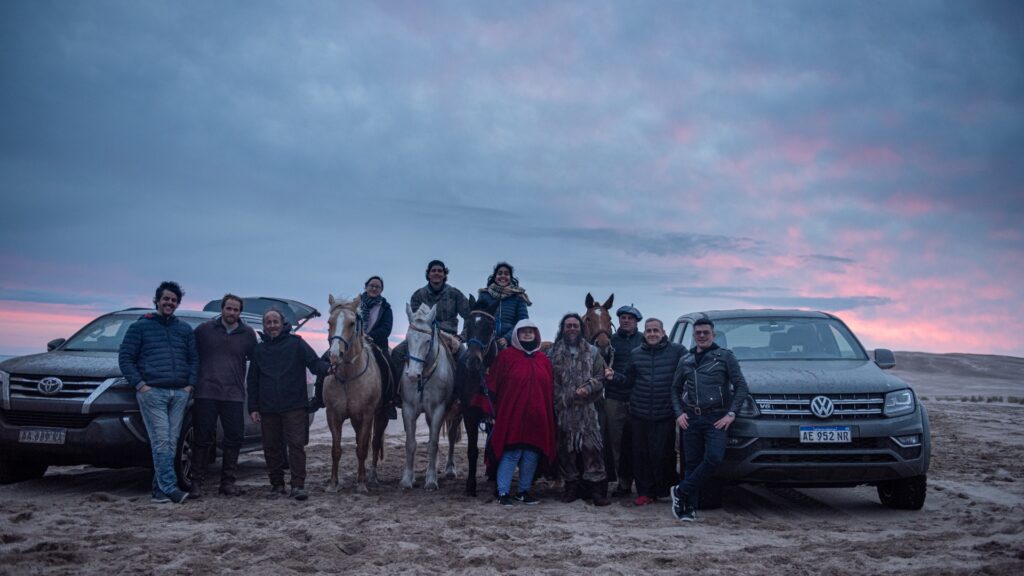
{"x":884,"y":358}
{"x":53,"y":344}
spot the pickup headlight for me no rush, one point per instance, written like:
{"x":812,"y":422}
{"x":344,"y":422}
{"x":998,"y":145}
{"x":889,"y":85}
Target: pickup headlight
{"x":749,"y":409}
{"x":899,"y":403}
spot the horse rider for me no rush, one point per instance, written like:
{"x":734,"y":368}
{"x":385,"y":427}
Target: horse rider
{"x":507,"y":298}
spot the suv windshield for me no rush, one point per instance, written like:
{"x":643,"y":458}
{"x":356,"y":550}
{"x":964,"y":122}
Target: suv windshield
{"x":105,"y":333}
{"x":780,"y":338}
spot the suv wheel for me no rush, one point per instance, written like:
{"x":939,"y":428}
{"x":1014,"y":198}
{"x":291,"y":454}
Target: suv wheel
{"x":14,"y":470}
{"x":905,"y":493}
{"x":183,"y":454}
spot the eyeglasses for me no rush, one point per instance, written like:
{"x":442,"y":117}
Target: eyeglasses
{"x":702,"y":332}
{"x":377,"y":286}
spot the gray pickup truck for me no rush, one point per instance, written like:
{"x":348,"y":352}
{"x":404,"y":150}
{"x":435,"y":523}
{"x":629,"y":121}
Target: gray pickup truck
{"x":821,"y":413}
{"x":70,"y":405}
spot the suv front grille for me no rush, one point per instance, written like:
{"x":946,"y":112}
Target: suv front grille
{"x":73,"y":388}
{"x":45,"y":419}
{"x":819,"y":458}
{"x":798,"y":406}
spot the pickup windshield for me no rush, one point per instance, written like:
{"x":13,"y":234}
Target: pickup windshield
{"x":781,"y":338}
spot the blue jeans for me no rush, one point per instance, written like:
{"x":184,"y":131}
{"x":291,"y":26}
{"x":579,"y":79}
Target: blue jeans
{"x":163,"y":410}
{"x":527,"y":459}
{"x":704,"y":449}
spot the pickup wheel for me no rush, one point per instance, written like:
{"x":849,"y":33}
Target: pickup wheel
{"x":904,"y":494}
{"x":13,"y":470}
{"x":183,"y":454}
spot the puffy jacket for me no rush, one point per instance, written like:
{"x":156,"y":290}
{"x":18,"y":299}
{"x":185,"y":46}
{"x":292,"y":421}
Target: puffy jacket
{"x":616,"y":388}
{"x":649,"y":378}
{"x":277,"y":373}
{"x":715,"y":382}
{"x":160,"y":352}
{"x":508,"y":313}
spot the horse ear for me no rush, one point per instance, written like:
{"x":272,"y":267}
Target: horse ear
{"x":589,"y":301}
{"x":408,"y":311}
{"x":330,"y":300}
{"x":472,"y":302}
{"x":608,"y":302}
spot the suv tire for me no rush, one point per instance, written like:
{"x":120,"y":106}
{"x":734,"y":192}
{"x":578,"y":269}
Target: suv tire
{"x":183,"y":453}
{"x":905,"y":493}
{"x":13,"y":470}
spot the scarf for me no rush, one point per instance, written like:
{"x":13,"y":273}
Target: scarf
{"x":502,"y":292}
{"x":576,"y":417}
{"x":366,"y":303}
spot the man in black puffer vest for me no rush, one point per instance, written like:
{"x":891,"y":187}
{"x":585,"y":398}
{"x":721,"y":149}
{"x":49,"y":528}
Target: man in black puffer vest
{"x":649,"y":378}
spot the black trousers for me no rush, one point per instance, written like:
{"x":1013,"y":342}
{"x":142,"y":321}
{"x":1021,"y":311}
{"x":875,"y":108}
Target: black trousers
{"x":205,"y":413}
{"x":653,"y":455}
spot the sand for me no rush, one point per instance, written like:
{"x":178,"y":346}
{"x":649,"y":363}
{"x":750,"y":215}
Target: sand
{"x":83,"y":520}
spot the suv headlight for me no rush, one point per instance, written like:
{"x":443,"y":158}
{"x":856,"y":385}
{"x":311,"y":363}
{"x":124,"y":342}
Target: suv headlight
{"x":899,"y":403}
{"x":5,"y":390}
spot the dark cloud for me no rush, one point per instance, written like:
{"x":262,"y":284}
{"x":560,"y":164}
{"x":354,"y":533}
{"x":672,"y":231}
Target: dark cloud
{"x":777,"y":297}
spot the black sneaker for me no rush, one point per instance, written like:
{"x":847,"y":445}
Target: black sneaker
{"x":299,"y":494}
{"x":505,"y":500}
{"x":525,"y":498}
{"x":680,"y":504}
{"x":160,"y":498}
{"x":178,"y":496}
{"x":689,"y":516}
{"x":276,"y":490}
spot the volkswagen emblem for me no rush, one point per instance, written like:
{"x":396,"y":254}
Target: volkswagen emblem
{"x":50,"y":385}
{"x":822,"y":407}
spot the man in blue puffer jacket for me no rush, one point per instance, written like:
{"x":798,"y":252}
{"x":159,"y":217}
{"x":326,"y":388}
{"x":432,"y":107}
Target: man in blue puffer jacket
{"x":158,"y":358}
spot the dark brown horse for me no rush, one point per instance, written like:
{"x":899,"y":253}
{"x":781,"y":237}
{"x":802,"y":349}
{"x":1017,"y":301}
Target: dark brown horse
{"x":481,"y":349}
{"x":597,"y":326}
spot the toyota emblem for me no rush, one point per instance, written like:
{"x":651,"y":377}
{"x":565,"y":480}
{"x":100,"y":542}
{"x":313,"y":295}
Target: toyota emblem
{"x":822,"y":407}
{"x":50,"y":385}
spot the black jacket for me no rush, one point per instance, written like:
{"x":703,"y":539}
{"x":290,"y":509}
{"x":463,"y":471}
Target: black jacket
{"x":649,"y":378}
{"x":616,"y":389}
{"x":277,"y":373}
{"x":715,"y":383}
{"x":381,"y":331}
{"x":160,"y":352}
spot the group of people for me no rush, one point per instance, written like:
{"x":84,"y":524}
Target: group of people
{"x":564,"y":410}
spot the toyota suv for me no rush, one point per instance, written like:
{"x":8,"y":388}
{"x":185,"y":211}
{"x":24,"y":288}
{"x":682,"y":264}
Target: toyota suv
{"x":70,"y":405}
{"x":821,"y":413}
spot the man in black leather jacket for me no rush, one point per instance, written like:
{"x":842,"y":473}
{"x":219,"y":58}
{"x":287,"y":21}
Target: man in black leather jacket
{"x":707,"y":390}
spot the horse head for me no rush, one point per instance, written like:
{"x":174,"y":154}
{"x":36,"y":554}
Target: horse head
{"x":421,"y":338}
{"x":480,"y":335}
{"x":343,"y":327}
{"x":597,"y":322}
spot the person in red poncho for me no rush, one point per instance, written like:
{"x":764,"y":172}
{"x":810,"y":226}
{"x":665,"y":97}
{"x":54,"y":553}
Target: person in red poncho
{"x":521,"y":383}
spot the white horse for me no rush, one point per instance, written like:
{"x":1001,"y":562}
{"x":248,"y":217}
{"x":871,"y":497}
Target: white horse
{"x":427,"y":383}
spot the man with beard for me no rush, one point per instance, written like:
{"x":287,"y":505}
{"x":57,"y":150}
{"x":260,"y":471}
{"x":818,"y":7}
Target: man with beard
{"x":225,"y":343}
{"x":579,"y":372}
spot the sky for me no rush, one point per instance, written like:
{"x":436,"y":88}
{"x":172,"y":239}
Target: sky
{"x":862,"y":158}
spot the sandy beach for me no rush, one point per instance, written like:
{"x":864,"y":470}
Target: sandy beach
{"x":83,"y":520}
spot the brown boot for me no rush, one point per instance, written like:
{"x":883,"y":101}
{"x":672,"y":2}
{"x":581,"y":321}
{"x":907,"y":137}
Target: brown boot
{"x":599,"y":493}
{"x":571,"y":492}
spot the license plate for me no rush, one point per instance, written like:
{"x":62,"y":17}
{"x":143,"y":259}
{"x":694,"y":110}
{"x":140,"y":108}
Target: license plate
{"x":824,"y":434}
{"x":42,"y":436}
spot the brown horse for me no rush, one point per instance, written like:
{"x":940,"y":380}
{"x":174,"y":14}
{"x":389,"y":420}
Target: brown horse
{"x":353,"y":391}
{"x":597,"y":324}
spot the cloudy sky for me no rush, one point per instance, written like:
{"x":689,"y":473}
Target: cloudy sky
{"x":862,"y":158}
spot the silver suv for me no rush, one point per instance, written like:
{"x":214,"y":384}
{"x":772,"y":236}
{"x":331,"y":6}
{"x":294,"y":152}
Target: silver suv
{"x":821,"y":412}
{"x":70,"y":405}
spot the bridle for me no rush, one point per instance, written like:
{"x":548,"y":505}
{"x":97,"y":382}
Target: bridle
{"x":432,"y":350}
{"x":348,"y":345}
{"x":485,"y":347}
{"x":610,"y":351}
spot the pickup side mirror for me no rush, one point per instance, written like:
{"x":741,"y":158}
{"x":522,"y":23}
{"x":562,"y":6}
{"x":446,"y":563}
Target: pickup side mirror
{"x":885,"y":358}
{"x":53,"y":344}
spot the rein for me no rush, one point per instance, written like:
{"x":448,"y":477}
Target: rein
{"x":609,"y":353}
{"x":434,"y":343}
{"x":347,"y":345}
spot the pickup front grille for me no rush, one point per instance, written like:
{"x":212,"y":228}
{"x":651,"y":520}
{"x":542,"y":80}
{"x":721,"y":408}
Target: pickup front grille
{"x":45,"y":419}
{"x":798,"y":406}
{"x":72,"y":387}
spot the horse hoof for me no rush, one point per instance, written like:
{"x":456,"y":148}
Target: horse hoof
{"x":406,"y":484}
{"x":332,"y":488}
{"x":362,"y":489}
{"x":430,"y":485}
